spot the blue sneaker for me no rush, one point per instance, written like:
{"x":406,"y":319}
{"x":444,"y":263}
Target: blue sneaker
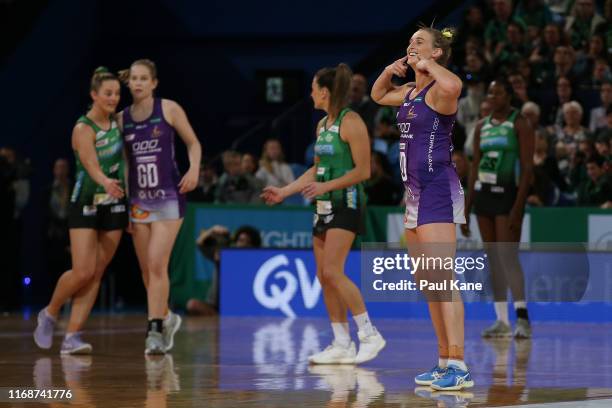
{"x":43,"y":335}
{"x":455,"y":379}
{"x":430,"y":376}
{"x":74,"y":345}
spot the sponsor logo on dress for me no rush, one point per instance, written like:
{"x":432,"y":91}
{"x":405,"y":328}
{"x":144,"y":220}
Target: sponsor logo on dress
{"x":138,"y":213}
{"x":146,"y":159}
{"x":117,"y":209}
{"x":324,"y":150}
{"x":334,"y":128}
{"x":89,"y":210}
{"x":102,"y":143}
{"x":156,"y":132}
{"x":141,"y":127}
{"x":156,"y":120}
{"x":411,"y":115}
{"x":130,"y":137}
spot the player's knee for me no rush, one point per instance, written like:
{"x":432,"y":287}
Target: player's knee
{"x":156,"y":268}
{"x":84,"y":275}
{"x":332,"y":278}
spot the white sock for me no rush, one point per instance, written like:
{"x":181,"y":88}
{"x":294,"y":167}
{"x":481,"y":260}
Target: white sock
{"x":167,"y":316}
{"x":521,"y":304}
{"x":501,"y":311}
{"x":341,"y":334}
{"x":442,"y":362}
{"x":457,"y":363}
{"x":364,"y":324}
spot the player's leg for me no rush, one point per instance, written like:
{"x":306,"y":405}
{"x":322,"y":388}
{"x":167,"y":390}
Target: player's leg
{"x":83,"y":243}
{"x":513,"y":273}
{"x":442,"y":239}
{"x":85,"y":298}
{"x":338,"y":243}
{"x":342,"y":350}
{"x":161,"y":242}
{"x":435,"y":312}
{"x":488,"y":231}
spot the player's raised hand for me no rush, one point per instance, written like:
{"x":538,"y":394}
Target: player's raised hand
{"x":398,"y":68}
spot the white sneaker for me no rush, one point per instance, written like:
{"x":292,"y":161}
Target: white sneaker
{"x":335,"y":354}
{"x":369,"y":346}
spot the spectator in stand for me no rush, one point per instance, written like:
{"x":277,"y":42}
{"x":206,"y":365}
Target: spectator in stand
{"x":547,"y":180}
{"x":249,"y":164}
{"x":524,"y":68}
{"x":468,"y":110}
{"x":273,"y":171}
{"x":545,"y":51}
{"x":513,"y":49}
{"x":602,"y":146}
{"x":57,"y":240}
{"x":582,"y":23}
{"x":380,"y":189}
{"x":535,"y":13}
{"x":496,"y":28}
{"x":573,"y":132}
{"x":475,"y":67}
{"x":605,"y":29}
{"x":468,"y":146}
{"x":519,"y":87}
{"x":596,"y":51}
{"x":564,"y":93}
{"x":207,"y":184}
{"x":597,"y":190}
{"x":361,"y":103}
{"x":234,"y":186}
{"x":531,"y":111}
{"x":564,"y":59}
{"x":471,"y":27}
{"x":598,"y":116}
{"x":210,"y":243}
{"x":600,"y":75}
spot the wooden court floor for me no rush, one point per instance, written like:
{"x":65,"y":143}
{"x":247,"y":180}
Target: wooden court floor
{"x":261,"y":362}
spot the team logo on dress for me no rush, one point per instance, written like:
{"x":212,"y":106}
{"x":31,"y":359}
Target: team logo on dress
{"x":329,"y":138}
{"x":156,"y":132}
{"x":138,"y":213}
{"x":130,"y":137}
{"x":411,"y":115}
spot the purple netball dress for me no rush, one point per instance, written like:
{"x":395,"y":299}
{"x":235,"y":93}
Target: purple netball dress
{"x":433,"y":190}
{"x":153,"y":174}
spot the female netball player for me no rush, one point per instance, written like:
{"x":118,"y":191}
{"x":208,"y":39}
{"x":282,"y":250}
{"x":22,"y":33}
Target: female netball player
{"x":434,"y":197}
{"x":503,"y":144}
{"x":157,"y":191}
{"x":342,"y":163}
{"x":97,"y":214}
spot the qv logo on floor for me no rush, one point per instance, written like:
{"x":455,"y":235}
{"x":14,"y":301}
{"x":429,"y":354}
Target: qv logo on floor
{"x":269,"y":292}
